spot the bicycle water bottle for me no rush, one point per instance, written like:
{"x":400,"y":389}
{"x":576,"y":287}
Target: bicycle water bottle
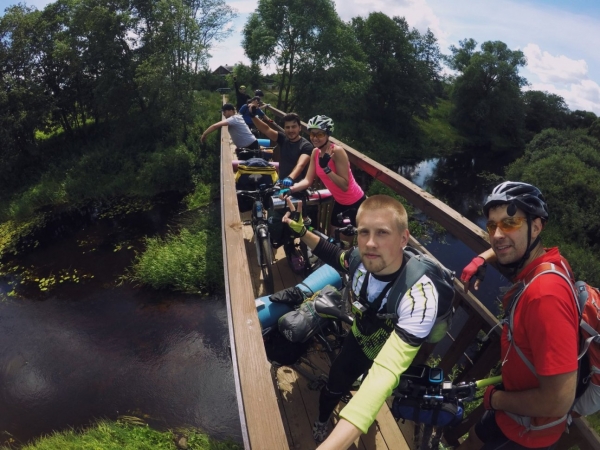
{"x":258,"y":210}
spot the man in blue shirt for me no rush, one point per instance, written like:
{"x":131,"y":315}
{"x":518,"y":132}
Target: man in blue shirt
{"x":245,"y":112}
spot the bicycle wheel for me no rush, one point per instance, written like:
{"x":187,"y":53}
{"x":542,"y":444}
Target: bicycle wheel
{"x":266,"y":261}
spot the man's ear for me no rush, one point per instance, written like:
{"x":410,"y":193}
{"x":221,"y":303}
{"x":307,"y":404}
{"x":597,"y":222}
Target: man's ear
{"x":536,"y":227}
{"x":405,"y":237}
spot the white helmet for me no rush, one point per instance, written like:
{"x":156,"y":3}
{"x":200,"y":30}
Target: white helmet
{"x":321,"y":123}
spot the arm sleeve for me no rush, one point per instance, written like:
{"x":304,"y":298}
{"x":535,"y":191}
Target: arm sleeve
{"x":331,"y":254}
{"x":307,"y":149}
{"x":393,"y":359}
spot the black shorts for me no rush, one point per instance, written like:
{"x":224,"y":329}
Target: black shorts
{"x":488,"y":431}
{"x":347,"y":210}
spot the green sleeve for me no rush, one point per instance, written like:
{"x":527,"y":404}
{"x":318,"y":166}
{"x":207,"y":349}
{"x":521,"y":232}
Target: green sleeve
{"x":393,"y":359}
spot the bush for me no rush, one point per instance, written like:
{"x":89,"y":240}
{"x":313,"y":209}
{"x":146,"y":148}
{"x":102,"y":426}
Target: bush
{"x":190,"y":261}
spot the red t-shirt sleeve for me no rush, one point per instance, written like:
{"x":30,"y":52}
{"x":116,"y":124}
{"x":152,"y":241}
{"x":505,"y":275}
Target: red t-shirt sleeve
{"x":551,"y":326}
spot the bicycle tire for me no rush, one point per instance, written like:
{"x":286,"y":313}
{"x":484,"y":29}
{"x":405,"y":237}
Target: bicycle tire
{"x":266,"y":262}
{"x":304,"y":252}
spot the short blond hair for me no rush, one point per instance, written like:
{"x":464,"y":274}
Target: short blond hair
{"x":378,"y":202}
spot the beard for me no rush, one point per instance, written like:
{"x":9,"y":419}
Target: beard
{"x":374,"y":265}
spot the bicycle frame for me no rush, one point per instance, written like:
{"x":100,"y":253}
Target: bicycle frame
{"x":262,"y":239}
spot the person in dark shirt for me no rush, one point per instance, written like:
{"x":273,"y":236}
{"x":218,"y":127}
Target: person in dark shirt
{"x":240,"y":94}
{"x":295,"y":150}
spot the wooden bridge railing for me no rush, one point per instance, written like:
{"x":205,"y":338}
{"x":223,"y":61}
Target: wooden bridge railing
{"x":262,"y":426}
{"x":479,"y":319}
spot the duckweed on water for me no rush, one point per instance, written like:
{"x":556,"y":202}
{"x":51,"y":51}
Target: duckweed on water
{"x":127,"y":435}
{"x":26,"y":275}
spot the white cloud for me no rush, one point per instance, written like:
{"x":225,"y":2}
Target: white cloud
{"x":243,"y":6}
{"x":584,"y":95}
{"x":554,"y":69}
{"x":417,"y":13}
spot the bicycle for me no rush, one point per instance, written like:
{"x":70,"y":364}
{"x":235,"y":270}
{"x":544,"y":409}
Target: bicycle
{"x":299,"y":256}
{"x":262,"y":238}
{"x":433,"y":403}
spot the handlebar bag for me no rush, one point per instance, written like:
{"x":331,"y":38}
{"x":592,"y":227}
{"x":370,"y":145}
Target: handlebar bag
{"x":419,"y":411}
{"x":251,"y":175}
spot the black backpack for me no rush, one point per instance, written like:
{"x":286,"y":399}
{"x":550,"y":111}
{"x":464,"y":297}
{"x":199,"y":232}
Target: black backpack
{"x":417,"y":265}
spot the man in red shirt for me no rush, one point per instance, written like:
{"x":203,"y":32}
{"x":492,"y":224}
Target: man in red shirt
{"x":530,"y":409}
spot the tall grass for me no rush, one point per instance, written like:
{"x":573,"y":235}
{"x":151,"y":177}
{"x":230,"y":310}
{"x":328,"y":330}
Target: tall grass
{"x":121,"y":435}
{"x":190,"y":260}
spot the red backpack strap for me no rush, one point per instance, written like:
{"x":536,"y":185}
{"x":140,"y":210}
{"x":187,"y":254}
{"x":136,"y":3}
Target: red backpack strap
{"x":539,"y":270}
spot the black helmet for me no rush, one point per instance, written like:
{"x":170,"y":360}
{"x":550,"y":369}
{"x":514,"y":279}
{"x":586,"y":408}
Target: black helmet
{"x":258,"y":93}
{"x":524,"y":196}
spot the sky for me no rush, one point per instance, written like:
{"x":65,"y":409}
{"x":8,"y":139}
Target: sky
{"x":559,"y":38}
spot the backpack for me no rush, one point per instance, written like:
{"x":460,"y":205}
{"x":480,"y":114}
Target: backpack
{"x":302,"y":324}
{"x":587,"y":299}
{"x":417,"y":265}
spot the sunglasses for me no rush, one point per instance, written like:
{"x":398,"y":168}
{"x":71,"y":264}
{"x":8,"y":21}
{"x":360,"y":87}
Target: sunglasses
{"x":317,"y":134}
{"x":507,"y":224}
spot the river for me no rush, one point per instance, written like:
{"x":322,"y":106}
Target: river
{"x":90,"y":347}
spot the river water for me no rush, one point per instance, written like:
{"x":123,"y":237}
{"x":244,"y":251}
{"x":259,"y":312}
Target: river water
{"x":463,"y":182}
{"x":96,"y":348}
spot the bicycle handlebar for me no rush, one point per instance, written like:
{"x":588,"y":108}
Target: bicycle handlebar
{"x":265,"y":191}
{"x":445,"y":390}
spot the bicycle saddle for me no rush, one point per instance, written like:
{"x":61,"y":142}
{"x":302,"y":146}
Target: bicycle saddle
{"x":329,"y":304}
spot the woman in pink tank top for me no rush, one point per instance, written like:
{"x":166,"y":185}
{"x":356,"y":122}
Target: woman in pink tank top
{"x":330,"y":163}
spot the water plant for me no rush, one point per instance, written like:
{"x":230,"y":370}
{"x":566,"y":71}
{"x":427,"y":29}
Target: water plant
{"x":189,"y":260}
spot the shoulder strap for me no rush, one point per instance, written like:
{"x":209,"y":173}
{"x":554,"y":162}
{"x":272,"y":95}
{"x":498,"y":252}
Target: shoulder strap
{"x":540,"y":270}
{"x":412,"y":272}
{"x":354,"y":262}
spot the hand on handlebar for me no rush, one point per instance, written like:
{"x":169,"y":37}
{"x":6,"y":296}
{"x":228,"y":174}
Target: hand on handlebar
{"x":294,"y":219}
{"x":476,"y":268}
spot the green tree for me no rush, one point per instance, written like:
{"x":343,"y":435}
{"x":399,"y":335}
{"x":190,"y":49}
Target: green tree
{"x":594,"y":129}
{"x":297,"y":36}
{"x":404,"y":67}
{"x":565,"y":165}
{"x":487,"y":104}
{"x":544,"y":110}
{"x":581,"y":119}
{"x":250,"y":76}
{"x":23,"y":101}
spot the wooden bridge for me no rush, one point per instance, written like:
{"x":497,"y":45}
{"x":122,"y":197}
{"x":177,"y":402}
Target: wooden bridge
{"x":276,"y":407}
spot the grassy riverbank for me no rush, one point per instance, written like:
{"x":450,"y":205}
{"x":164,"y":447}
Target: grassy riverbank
{"x":127,"y":435}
